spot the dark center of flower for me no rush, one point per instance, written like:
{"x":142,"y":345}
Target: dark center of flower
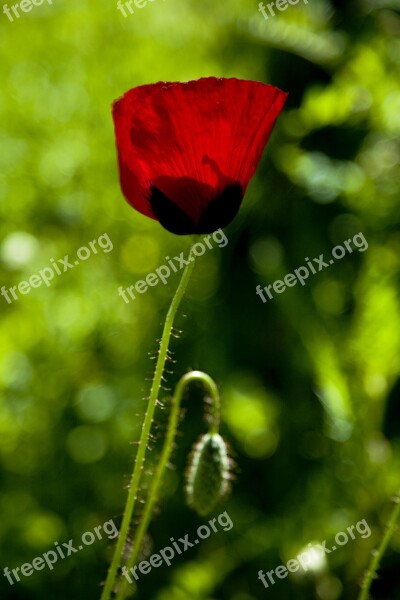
{"x":219,"y":212}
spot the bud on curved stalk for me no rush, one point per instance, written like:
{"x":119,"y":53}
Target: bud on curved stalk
{"x":209,"y":473}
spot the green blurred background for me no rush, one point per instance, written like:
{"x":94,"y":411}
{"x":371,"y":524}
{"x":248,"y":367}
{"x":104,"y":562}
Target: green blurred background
{"x":309,"y":381}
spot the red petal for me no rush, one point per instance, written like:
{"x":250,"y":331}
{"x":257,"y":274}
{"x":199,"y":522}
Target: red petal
{"x":192,"y":140}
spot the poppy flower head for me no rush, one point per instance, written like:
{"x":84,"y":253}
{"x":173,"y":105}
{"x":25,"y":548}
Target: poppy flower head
{"x":187,"y":151}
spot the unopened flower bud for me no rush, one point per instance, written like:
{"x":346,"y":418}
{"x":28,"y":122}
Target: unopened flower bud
{"x":208,"y":474}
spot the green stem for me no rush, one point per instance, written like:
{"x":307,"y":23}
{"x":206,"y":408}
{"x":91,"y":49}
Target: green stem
{"x":378,"y":554}
{"x":157,"y":479}
{"x":144,"y":438}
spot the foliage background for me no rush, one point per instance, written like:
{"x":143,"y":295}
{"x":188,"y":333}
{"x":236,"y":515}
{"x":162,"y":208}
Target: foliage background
{"x":309,"y":381}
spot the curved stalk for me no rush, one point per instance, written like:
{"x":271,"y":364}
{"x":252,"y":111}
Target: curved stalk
{"x":153,"y":494}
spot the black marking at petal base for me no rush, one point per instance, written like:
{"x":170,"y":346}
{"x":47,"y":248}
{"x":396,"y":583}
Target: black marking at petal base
{"x":221,"y":210}
{"x":169,"y":215}
{"x":218,"y":214}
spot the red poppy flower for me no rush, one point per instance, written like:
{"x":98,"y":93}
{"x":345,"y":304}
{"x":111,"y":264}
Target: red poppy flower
{"x":187,"y":151}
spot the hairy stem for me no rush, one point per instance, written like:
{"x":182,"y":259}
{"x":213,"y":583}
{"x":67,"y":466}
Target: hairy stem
{"x":146,"y":428}
{"x":378,"y":554}
{"x":153,"y":494}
